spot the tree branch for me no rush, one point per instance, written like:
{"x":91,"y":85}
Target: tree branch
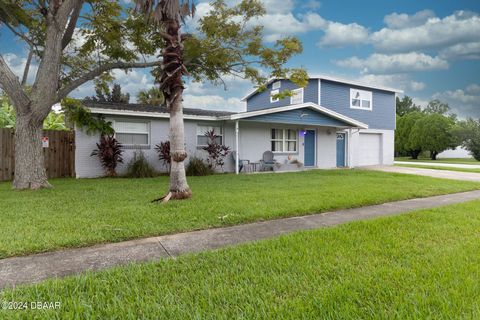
{"x":27,"y":67}
{"x":13,"y":88}
{"x":69,"y":87}
{"x":67,"y":37}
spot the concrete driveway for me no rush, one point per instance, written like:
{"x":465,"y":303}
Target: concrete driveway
{"x":445,"y":174}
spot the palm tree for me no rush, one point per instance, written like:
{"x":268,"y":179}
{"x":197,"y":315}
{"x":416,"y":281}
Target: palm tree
{"x":169,"y":15}
{"x":152,"y":96}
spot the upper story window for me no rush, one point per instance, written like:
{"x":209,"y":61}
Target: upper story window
{"x":202,"y":140}
{"x":360,"y":99}
{"x":284,"y":140}
{"x":276,"y":85}
{"x":272,"y":98}
{"x":297,"y":96}
{"x":130,"y":133}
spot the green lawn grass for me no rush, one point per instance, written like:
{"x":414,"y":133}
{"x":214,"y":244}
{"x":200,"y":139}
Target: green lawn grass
{"x":421,"y":265}
{"x":439,"y":168}
{"x":84,"y":212}
{"x":446,"y":160}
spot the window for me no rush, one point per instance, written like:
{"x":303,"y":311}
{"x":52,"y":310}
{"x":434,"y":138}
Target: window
{"x":284,"y":140}
{"x":276,"y":85}
{"x":132,"y":133}
{"x":272,"y":93}
{"x":360,"y":99}
{"x":297,"y":96}
{"x":202,"y":140}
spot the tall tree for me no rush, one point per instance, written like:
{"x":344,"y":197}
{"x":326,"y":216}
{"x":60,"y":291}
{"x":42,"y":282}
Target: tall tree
{"x":434,"y":132}
{"x":403,"y":143}
{"x":152,"y":96}
{"x":406,"y":105}
{"x":468,"y":134}
{"x":226,"y":42}
{"x":103,"y":94}
{"x":73,"y":46}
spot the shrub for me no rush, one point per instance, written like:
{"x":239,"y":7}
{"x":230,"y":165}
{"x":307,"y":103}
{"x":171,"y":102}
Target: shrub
{"x":163,"y":149}
{"x":198,"y":167}
{"x":138,"y":167}
{"x":216,"y":152}
{"x":109,"y":151}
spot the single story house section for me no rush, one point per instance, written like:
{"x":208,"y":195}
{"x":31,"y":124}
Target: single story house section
{"x":331,"y":123}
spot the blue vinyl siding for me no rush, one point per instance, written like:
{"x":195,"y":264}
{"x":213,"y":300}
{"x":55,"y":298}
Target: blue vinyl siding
{"x":336,"y":96}
{"x":294,"y":117}
{"x":261,"y":100}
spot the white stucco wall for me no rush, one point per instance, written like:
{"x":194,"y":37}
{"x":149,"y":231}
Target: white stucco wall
{"x":387,"y":145}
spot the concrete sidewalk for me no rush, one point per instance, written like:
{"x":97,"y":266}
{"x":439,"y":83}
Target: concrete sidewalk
{"x":38,"y":267}
{"x":439,"y":164}
{"x":444,"y":174}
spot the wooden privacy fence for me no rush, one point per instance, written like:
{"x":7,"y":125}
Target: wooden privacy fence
{"x":59,"y":156}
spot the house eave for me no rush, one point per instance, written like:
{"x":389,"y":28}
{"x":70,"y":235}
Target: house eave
{"x":145,"y":114}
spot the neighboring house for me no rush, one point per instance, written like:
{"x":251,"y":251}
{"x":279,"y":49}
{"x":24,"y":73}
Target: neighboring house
{"x":330,"y":123}
{"x":459,"y":152}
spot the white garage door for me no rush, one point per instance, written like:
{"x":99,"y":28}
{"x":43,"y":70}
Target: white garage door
{"x":370,"y":149}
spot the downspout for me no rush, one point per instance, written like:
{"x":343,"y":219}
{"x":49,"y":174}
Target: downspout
{"x":236,"y":147}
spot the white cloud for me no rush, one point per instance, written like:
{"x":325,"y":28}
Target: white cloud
{"x":339,"y":35}
{"x":469,"y":50}
{"x":17,"y":65}
{"x":464,"y":102}
{"x":213,"y":102}
{"x":397,"y":81}
{"x":403,"y":20}
{"x":396,"y":63}
{"x":462,"y":26}
{"x":279,"y":25}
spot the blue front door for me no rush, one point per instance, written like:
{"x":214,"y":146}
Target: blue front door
{"x":340,"y":150}
{"x":310,"y":148}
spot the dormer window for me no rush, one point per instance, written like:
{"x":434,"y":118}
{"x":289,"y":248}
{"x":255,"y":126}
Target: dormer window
{"x":276,"y":85}
{"x":297,"y":96}
{"x":360,"y":99}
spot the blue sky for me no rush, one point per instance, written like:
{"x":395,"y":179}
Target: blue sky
{"x":429,"y":49}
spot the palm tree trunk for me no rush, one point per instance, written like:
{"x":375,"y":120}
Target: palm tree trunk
{"x":172,"y":86}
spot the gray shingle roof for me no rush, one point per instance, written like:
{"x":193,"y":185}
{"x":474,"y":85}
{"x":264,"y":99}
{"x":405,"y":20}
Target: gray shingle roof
{"x":150,"y":108}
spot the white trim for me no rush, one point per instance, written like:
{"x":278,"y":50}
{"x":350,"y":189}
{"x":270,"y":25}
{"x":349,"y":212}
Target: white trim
{"x":285,"y":141}
{"x":310,"y":105}
{"x":275,"y":87}
{"x":148,"y":114}
{"x":295,"y":91}
{"x":334,"y":79}
{"x":221,"y":135}
{"x":319,"y":92}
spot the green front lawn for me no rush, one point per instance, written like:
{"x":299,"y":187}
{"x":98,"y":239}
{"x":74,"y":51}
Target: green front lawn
{"x":446,"y":160}
{"x":422,"y":265}
{"x":439,"y":168}
{"x":84,"y":212}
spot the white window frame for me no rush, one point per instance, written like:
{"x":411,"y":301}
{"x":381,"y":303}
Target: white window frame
{"x":276,"y":85}
{"x":209,"y":127}
{"x":115,"y":122}
{"x":272,"y":93}
{"x":364,"y":96}
{"x":294,"y":92}
{"x":284,"y":140}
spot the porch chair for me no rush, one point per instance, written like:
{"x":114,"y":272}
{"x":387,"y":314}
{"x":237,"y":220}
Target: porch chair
{"x":268,"y":162}
{"x":241,"y":162}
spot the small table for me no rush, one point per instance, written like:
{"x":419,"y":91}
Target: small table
{"x":251,"y":167}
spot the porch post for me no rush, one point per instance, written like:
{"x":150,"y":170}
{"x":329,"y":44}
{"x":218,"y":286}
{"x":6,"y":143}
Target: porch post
{"x":236,"y":147}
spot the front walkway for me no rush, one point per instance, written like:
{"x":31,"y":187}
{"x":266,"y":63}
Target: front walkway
{"x":38,"y":267}
{"x":437,"y":164}
{"x":445,"y":174}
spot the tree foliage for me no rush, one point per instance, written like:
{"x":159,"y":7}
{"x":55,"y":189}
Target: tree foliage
{"x":152,"y":96}
{"x":92,"y":124}
{"x":468,"y":133}
{"x":403,"y":143}
{"x":104,"y":94}
{"x":433,"y":132}
{"x":406,"y":105}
